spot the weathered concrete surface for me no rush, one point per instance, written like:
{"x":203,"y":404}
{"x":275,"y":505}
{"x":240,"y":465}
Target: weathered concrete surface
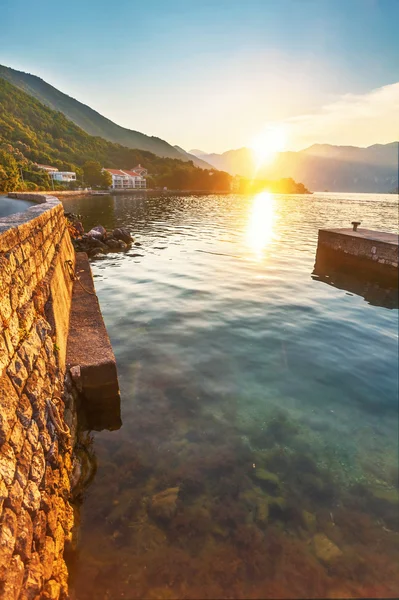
{"x":89,"y":348}
{"x":368,"y":252}
{"x":36,"y":517}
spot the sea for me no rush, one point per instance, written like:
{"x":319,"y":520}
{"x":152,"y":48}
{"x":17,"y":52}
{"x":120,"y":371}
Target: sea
{"x":256,"y":454}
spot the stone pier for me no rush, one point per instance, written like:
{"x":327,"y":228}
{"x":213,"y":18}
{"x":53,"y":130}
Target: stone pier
{"x":370,"y":254}
{"x":37,"y":416}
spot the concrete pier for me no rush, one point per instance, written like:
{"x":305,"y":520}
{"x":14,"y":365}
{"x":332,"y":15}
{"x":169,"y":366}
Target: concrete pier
{"x":368,"y":253}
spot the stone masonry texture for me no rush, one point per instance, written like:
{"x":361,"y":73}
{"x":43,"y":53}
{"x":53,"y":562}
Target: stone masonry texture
{"x":36,"y":517}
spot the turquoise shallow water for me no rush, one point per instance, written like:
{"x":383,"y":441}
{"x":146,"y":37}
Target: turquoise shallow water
{"x":257,"y":392}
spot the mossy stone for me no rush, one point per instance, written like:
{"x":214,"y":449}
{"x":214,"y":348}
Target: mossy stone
{"x":390,"y":495}
{"x":309,"y":520}
{"x":262,"y":510}
{"x":267,"y":480}
{"x":325,"y":550}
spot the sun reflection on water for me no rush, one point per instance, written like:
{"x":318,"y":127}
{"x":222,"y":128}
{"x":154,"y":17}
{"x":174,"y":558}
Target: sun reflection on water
{"x":260,"y":230}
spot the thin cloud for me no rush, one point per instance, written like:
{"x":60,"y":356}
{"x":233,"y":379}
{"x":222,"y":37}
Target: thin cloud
{"x":353,"y":119}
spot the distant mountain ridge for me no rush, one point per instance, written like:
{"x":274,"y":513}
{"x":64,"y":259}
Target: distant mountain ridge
{"x":321,"y":167}
{"x":90,"y":120}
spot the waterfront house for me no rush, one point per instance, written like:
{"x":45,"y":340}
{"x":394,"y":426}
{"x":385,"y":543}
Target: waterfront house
{"x":63,"y":176}
{"x":56,"y":175}
{"x":140,"y":170}
{"x":47,"y":168}
{"x":125,"y":180}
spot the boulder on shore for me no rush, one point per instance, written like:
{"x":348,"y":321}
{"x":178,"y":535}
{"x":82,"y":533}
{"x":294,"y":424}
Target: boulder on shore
{"x":99,"y":232}
{"x":121,"y":233}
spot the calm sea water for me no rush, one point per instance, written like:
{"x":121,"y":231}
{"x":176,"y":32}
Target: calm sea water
{"x":258,"y":453}
{"x":10,"y":206}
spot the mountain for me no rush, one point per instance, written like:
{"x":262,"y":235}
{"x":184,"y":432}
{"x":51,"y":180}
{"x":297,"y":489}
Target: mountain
{"x":31,"y":132}
{"x":90,"y":120}
{"x":322,"y":167}
{"x":197,"y":152}
{"x":196,"y":159}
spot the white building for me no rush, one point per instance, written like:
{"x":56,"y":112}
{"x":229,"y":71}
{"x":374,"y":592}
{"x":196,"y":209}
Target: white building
{"x":140,"y":170}
{"x":127,"y":180}
{"x":56,"y":175}
{"x":63,"y":176}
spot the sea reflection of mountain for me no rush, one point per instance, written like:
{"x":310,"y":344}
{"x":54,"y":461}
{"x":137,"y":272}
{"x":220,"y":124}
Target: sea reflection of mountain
{"x":376,"y":293}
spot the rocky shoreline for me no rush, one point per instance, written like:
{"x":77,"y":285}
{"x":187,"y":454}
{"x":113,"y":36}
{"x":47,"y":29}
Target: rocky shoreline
{"x":98,"y":241}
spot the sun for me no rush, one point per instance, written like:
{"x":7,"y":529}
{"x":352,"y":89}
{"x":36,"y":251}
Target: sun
{"x":268,"y":142}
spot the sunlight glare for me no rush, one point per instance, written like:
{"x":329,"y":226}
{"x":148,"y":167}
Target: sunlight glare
{"x":268,"y":142}
{"x":261,"y":223}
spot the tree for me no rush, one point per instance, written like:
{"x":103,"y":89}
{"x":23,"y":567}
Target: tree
{"x":9,"y":172}
{"x":95,"y":176}
{"x":92,"y":173}
{"x":106,"y":179}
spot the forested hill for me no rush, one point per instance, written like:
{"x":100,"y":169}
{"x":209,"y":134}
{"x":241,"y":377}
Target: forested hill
{"x":31,"y":132}
{"x":90,"y":120}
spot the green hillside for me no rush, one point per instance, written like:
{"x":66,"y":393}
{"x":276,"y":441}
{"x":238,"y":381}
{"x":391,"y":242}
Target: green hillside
{"x":90,"y":120}
{"x":31,"y":132}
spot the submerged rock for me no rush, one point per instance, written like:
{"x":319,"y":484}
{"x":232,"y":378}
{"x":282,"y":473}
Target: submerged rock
{"x":325,"y":549}
{"x":309,"y":520}
{"x":164,"y":504}
{"x":262,"y":511}
{"x":267,"y":480}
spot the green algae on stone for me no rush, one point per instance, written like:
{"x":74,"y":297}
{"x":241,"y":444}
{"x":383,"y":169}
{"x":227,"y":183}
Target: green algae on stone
{"x":390,"y":495}
{"x":325,"y":550}
{"x":262,"y":511}
{"x":309,"y":520}
{"x":267,"y":480}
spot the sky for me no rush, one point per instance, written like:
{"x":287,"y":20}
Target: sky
{"x":212,"y":74}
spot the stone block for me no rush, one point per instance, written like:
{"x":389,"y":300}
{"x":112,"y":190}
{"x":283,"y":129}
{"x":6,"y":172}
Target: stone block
{"x":7,"y":464}
{"x":17,"y":437}
{"x":4,"y":353}
{"x":8,"y":403}
{"x":24,"y":411}
{"x":38,"y":466}
{"x":14,"y":579}
{"x":39,"y":529}
{"x":18,"y":255}
{"x":17,"y":373}
{"x":24,"y":463}
{"x":47,"y":556}
{"x":32,"y":434}
{"x":30,"y":349}
{"x":8,"y":530}
{"x":33,"y":579}
{"x":52,"y":590}
{"x":26,"y":315}
{"x":43,"y":328}
{"x":33,"y":389}
{"x":5,"y":304}
{"x":31,"y":499}
{"x":15,"y":497}
{"x":23,"y":544}
{"x":8,"y":341}
{"x":13,"y":330}
{"x":8,"y":238}
{"x":3,"y":493}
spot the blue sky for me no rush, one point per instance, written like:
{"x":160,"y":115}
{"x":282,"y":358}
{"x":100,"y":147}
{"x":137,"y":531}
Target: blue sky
{"x":211,"y":74}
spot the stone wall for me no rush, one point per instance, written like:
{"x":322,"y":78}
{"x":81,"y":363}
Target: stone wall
{"x":36,"y":518}
{"x":385,"y":253}
{"x":361,"y":253}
